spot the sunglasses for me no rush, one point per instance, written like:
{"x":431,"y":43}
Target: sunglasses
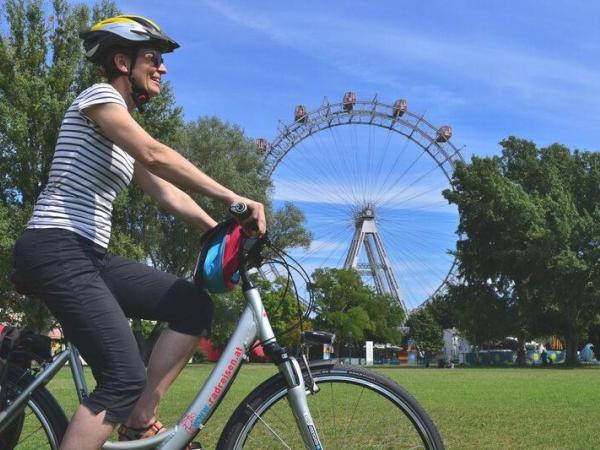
{"x":155,"y":57}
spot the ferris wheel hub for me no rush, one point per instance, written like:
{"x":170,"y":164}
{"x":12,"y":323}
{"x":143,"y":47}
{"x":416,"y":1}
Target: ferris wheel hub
{"x":366,"y":213}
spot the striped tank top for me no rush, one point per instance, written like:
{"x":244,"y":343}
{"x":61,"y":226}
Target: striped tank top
{"x":87,"y":172}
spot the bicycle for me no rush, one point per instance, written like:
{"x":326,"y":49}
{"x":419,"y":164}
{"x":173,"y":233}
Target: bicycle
{"x":313,"y":405}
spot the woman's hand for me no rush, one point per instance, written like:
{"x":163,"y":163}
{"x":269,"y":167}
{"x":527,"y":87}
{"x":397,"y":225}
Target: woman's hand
{"x":255,"y":224}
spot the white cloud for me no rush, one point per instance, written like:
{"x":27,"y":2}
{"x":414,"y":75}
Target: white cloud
{"x":517,"y":77}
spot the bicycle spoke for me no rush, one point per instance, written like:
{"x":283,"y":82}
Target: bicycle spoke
{"x":269,"y":428}
{"x":29,"y":436}
{"x":354,"y":410}
{"x":333,"y":414}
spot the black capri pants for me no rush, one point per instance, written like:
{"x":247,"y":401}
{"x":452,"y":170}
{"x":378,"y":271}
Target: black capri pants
{"x":92,"y":293}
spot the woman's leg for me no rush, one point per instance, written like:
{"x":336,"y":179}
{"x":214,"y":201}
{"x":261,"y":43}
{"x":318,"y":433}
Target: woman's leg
{"x":62,"y":269}
{"x":147,"y":293}
{"x":169,"y":356}
{"x":86,"y":430}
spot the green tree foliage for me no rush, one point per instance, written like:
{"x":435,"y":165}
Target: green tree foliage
{"x":41,"y":71}
{"x":353,"y":311}
{"x":280,"y":303}
{"x":286,"y":228}
{"x":443,"y":311}
{"x":529,"y":234}
{"x":426,"y":331}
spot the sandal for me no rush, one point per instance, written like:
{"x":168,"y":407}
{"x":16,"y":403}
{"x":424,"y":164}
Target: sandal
{"x":132,"y":434}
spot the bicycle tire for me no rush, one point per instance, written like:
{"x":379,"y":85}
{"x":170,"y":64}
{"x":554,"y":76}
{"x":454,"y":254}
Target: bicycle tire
{"x":41,"y":425}
{"x":264,"y":419}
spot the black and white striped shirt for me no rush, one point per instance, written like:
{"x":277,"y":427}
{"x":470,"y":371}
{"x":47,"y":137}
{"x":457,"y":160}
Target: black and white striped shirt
{"x":88,"y":171}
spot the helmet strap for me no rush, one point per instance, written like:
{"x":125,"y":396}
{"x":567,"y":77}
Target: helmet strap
{"x":138,"y":94}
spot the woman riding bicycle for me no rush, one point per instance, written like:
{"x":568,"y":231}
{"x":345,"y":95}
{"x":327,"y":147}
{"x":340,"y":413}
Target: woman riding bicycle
{"x":62,"y":259}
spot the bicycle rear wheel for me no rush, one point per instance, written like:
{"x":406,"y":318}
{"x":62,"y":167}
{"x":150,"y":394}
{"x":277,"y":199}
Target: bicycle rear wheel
{"x":354,"y":409}
{"x":41,"y":425}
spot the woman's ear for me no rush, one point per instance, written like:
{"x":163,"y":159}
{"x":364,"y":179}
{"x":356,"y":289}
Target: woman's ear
{"x":122,"y":63}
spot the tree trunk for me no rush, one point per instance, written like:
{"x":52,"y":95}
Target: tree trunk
{"x":571,"y":338}
{"x":571,"y":334}
{"x":521,"y":355}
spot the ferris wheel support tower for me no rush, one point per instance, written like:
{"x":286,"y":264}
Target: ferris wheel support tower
{"x":378,"y":265}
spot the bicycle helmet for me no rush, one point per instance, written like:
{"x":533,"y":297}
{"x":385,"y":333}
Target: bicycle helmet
{"x":125,"y":32}
{"x":217,"y":266}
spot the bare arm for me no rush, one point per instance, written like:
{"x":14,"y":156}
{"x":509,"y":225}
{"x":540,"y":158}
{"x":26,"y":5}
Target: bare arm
{"x":172,"y":199}
{"x":117,"y":124}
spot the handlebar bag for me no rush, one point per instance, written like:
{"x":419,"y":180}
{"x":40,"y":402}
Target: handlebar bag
{"x":217,"y":266}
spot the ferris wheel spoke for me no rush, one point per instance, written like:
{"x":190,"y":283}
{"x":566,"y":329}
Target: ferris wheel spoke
{"x":409,"y":201}
{"x":318,"y":170}
{"x":421,"y":262}
{"x":391,"y":169}
{"x":323,"y":157}
{"x":348,"y":169}
{"x":420,"y":246}
{"x":312,"y":189}
{"x":383,"y":153}
{"x":411,"y":184}
{"x":403,"y":174}
{"x":322,"y":253}
{"x":332,"y":171}
{"x":411,"y":282}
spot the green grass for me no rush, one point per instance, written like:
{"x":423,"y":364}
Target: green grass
{"x":487,"y":408}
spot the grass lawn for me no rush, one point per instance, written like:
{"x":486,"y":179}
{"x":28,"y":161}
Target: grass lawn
{"x":544,"y":408}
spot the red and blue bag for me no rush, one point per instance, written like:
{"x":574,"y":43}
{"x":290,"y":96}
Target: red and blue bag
{"x":217,"y":266}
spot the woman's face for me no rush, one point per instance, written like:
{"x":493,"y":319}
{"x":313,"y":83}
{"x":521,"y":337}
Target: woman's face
{"x":148,"y":70}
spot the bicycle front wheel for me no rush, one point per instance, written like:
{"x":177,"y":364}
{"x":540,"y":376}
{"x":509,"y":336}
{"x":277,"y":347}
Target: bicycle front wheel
{"x":41,"y":425}
{"x":354,"y":409}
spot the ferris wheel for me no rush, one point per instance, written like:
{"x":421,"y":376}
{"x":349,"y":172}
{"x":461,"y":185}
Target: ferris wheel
{"x":369,"y":178}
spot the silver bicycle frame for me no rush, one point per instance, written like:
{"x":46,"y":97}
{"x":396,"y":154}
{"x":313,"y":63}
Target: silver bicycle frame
{"x":253,"y":324}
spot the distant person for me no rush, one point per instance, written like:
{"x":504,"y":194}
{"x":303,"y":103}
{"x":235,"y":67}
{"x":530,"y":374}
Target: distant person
{"x":544,"y":357}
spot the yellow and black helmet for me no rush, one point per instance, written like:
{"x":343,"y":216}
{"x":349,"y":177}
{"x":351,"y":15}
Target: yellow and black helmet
{"x":124,"y":31}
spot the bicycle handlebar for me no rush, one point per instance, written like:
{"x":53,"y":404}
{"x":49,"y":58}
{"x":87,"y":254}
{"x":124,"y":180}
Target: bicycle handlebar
{"x":239,"y":210}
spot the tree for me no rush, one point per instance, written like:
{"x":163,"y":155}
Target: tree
{"x":41,"y":70}
{"x":353,"y":311}
{"x":426,"y":332}
{"x":442,"y":309}
{"x":280,"y":303}
{"x":529,"y":235}
{"x":286,"y":228}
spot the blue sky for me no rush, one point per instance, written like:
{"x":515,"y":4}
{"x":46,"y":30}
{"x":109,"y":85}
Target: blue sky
{"x":490,"y":69}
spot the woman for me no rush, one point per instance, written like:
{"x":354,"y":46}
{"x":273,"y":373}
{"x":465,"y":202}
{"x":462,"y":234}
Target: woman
{"x":61,"y":258}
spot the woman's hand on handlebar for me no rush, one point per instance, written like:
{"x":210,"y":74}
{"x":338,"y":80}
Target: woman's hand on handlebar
{"x":254,"y":222}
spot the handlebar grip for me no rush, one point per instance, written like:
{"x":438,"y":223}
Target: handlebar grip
{"x":239,"y":210}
